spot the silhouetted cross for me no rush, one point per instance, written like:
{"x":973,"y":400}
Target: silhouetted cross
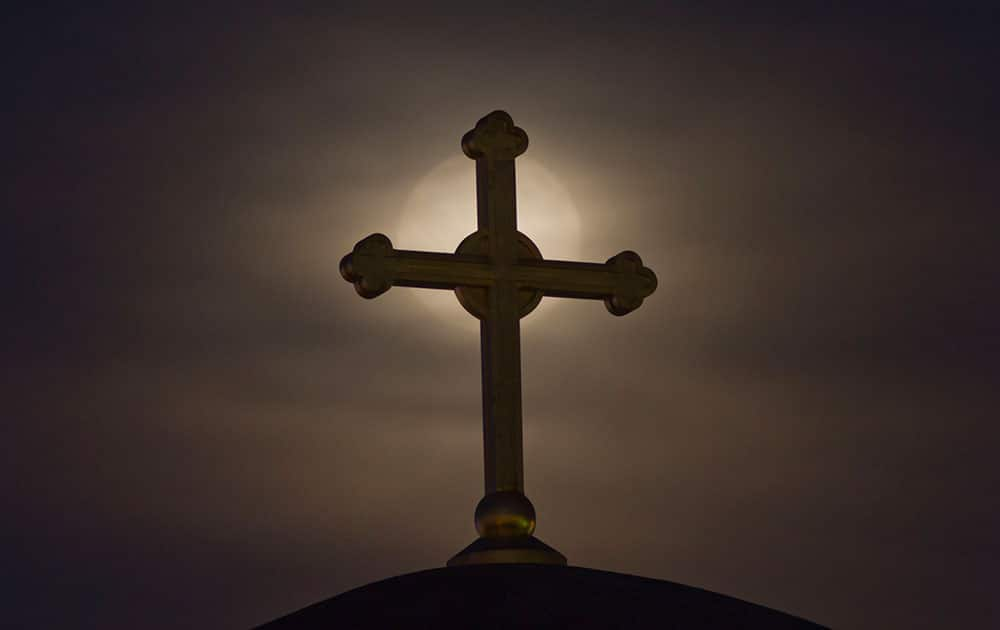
{"x":499,"y":277}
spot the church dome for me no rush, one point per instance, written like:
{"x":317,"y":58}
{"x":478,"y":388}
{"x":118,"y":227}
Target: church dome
{"x":532,"y":596}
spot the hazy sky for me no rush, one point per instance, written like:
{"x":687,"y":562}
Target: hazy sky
{"x":206,"y":427}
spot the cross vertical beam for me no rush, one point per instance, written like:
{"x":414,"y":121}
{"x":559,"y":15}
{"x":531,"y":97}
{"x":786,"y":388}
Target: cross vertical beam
{"x":500,"y":330}
{"x":494,"y":143}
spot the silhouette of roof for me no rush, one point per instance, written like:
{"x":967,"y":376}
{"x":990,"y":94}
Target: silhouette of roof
{"x":536,"y":596}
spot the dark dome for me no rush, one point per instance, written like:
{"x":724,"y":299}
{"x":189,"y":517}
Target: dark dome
{"x":527,"y":595}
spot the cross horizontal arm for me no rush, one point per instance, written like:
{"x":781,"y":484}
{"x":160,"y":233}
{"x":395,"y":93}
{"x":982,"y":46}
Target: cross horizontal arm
{"x":440,"y":270}
{"x":375,"y":266}
{"x":622,"y":282}
{"x":560,"y":278}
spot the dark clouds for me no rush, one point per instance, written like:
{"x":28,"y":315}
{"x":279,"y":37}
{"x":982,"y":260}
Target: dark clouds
{"x":206,"y":426}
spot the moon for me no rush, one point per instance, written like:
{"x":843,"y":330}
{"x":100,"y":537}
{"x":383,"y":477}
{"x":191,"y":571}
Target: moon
{"x":441,"y":210}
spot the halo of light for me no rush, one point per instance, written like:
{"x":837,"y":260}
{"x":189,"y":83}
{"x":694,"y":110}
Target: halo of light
{"x":441,"y":211}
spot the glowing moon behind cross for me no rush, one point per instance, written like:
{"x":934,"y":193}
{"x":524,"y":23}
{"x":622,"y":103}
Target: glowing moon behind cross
{"x":441,"y":211}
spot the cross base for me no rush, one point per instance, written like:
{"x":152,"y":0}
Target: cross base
{"x":507,"y":550}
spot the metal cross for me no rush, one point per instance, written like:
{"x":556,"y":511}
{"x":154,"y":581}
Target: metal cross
{"x":499,"y":276}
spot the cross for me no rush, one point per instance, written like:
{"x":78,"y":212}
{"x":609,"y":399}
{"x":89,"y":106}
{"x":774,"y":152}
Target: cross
{"x":499,"y":276}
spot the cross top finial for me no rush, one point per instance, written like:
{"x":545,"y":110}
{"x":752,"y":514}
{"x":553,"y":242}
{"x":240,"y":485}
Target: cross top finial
{"x":495,"y":137}
{"x":499,"y":276}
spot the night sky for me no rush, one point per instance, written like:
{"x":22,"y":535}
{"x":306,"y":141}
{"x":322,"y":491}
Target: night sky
{"x":205,"y":427}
